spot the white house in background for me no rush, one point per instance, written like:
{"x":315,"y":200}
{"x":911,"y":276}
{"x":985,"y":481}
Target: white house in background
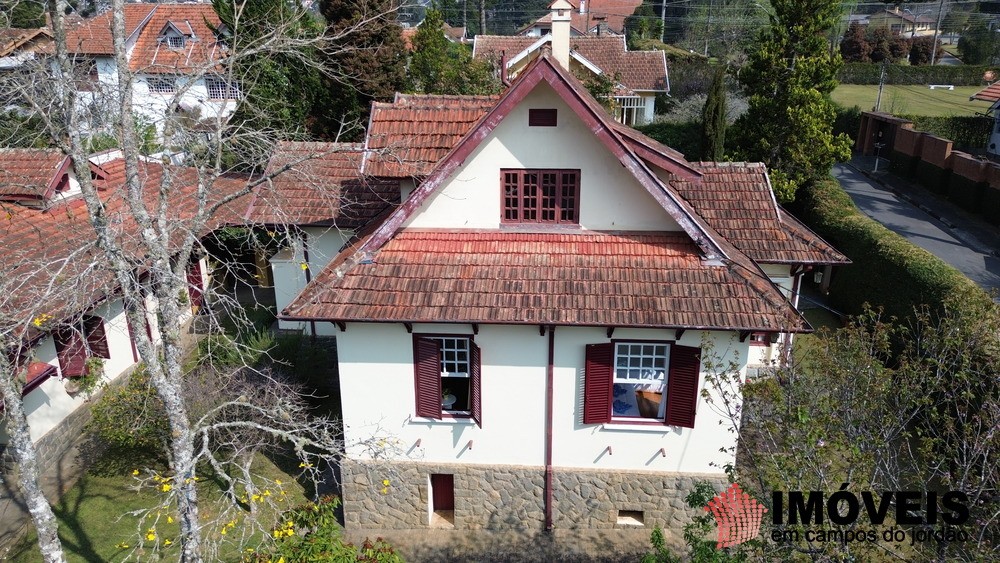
{"x":171,"y":51}
{"x":522,"y":342}
{"x":44,"y":237}
{"x":587,"y":17}
{"x":637,"y":76}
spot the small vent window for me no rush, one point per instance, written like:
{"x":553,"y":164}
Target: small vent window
{"x":541,"y":118}
{"x":631,"y":518}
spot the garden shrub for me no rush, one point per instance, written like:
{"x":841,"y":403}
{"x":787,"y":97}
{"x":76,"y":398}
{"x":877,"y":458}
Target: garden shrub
{"x":972,"y":131}
{"x":683,"y":137}
{"x":129,"y":422}
{"x":869,"y":73}
{"x":887,"y":270}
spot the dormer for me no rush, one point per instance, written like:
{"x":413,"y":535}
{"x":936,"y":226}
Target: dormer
{"x":38,"y":178}
{"x":176,"y":34}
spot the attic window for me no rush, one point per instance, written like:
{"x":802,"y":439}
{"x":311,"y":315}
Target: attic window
{"x":541,"y":117}
{"x":175,"y":42}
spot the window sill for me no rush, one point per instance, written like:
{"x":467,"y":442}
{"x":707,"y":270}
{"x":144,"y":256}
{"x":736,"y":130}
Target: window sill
{"x":653,"y":427}
{"x":446,"y":419}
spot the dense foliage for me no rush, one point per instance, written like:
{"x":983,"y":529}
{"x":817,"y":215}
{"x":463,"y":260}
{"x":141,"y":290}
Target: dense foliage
{"x":713,"y":119}
{"x":682,"y":137}
{"x":22,"y":14}
{"x":979,"y":45}
{"x":788,"y":80}
{"x":966,"y":131}
{"x":958,"y":75}
{"x":439,"y":66}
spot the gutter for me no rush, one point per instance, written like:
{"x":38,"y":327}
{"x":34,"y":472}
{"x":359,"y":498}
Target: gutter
{"x":548,"y":428}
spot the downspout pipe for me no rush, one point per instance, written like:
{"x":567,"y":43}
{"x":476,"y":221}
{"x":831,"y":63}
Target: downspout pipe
{"x":549,"y":385}
{"x":305,"y":257}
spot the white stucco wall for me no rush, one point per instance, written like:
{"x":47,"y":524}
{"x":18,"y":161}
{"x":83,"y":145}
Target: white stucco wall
{"x":611,"y":198}
{"x":376,"y":378}
{"x":324,"y":243}
{"x":152,"y":106}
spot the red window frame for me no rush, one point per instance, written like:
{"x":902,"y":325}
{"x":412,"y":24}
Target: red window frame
{"x":427,"y":377}
{"x":540,"y":196}
{"x":683,"y":376}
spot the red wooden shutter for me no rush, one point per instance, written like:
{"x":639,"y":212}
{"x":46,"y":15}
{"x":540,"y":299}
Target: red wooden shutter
{"x":97,"y":339}
{"x":427,"y":377}
{"x":597,"y":383}
{"x":475,"y":366}
{"x":71,"y":351}
{"x":194,"y":281}
{"x":682,"y":385}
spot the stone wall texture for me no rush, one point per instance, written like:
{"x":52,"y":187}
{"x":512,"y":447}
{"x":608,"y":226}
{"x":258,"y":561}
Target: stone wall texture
{"x":512,"y":497}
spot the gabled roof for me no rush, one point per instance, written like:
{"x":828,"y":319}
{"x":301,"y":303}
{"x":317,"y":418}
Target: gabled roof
{"x":12,"y":39}
{"x":201,"y":47}
{"x":611,"y":12}
{"x":30,"y":173}
{"x":409,"y":136}
{"x":322,"y":185}
{"x":635,"y":70}
{"x":989,"y":94}
{"x":93,"y":36}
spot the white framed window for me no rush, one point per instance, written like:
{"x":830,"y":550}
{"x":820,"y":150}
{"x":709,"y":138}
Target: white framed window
{"x":219,"y":89}
{"x":175,"y":42}
{"x":639,"y":379}
{"x":631,"y":109}
{"x":161,"y":84}
{"x":448,"y":372}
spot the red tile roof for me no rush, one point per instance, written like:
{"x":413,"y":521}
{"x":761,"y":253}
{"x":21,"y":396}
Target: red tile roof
{"x":613,"y":12}
{"x":409,"y":136}
{"x":322,"y":185}
{"x":636,"y":70}
{"x":13,"y":39}
{"x":590,"y":279}
{"x":989,"y":94}
{"x":736,"y":199}
{"x":93,"y":36}
{"x":200,"y":51}
{"x":29,"y":173}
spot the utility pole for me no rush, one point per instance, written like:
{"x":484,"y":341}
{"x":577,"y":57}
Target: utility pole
{"x":482,"y":17}
{"x":881,"y":83}
{"x":936,"y":27}
{"x":465,"y":16}
{"x":663,"y":21}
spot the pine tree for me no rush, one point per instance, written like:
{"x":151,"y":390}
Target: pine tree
{"x":713,"y":118}
{"x":788,"y":80}
{"x":439,"y":66}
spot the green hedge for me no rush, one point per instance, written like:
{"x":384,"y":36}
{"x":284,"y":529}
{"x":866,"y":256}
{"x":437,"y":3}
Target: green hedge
{"x":887,"y":270}
{"x":963,"y":130}
{"x":958,"y":75}
{"x":683,"y":137}
{"x":848,"y":121}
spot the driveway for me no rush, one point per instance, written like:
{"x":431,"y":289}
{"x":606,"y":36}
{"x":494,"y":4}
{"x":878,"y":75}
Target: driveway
{"x":959,"y":238}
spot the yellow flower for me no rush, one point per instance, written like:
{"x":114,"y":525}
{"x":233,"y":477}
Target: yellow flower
{"x":277,"y":482}
{"x":385,"y":490}
{"x":150,"y":536}
{"x":165,"y":487}
{"x":281,"y":560}
{"x":135,"y":472}
{"x":255,"y":497}
{"x":167,"y":542}
{"x":385,"y":482}
{"x":122,"y":545}
{"x":304,"y":266}
{"x":304,"y":464}
{"x":223,"y":532}
{"x":170,"y":519}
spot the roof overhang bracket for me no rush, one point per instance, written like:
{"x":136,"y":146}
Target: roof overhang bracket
{"x":541,"y":330}
{"x":475,"y":328}
{"x":409,"y":328}
{"x":744,"y":335}
{"x":611,"y":331}
{"x":341,"y":325}
{"x":796,"y":270}
{"x":678,"y":334}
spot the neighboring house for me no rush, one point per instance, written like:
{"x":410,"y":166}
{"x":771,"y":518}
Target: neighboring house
{"x":316,"y":204}
{"x":524,"y":342}
{"x":587,"y":17}
{"x":903,"y":22}
{"x":47,"y":239}
{"x":20,"y":45}
{"x":637,"y":76}
{"x":991,"y":94}
{"x":453,"y":34}
{"x":172,"y":51}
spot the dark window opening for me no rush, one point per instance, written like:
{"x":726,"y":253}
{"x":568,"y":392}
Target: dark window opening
{"x":542,"y":118}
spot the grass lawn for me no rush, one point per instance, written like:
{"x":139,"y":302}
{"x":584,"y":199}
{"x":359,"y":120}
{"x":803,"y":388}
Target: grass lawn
{"x":913,"y":100}
{"x":94,"y":519}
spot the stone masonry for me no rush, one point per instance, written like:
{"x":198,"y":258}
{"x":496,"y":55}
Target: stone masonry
{"x":511,"y":497}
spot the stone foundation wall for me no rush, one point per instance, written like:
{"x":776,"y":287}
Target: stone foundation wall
{"x":512,"y":497}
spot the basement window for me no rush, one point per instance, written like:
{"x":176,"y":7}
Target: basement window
{"x":632,"y":518}
{"x":541,"y":118}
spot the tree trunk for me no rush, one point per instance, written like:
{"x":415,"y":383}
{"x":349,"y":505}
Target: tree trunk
{"x":27,"y":462}
{"x":482,"y":17}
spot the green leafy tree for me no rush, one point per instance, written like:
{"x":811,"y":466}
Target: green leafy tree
{"x":23,"y":14}
{"x":439,"y":66}
{"x":368,"y":51}
{"x":979,"y":45}
{"x":854,"y":48}
{"x":788,"y":80}
{"x":713,"y":118}
{"x":921,"y":49}
{"x":643,"y":24}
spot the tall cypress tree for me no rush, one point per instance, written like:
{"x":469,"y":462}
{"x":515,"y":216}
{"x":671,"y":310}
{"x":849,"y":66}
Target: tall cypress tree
{"x":368,"y":55}
{"x":713,"y":118}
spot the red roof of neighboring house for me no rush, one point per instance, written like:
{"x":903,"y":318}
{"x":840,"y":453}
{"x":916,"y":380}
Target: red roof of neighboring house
{"x":409,"y":136}
{"x":322,"y":185}
{"x":93,"y":36}
{"x":201,"y":48}
{"x":453,"y":34}
{"x":12,"y":39}
{"x":989,"y":94}
{"x":582,"y":278}
{"x":612,"y":12}
{"x":636,"y":70}
{"x":30,"y":173}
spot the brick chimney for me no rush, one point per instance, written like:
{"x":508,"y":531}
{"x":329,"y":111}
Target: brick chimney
{"x":561,"y":10}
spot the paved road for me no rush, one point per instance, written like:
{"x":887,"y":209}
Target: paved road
{"x":966,"y":244}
